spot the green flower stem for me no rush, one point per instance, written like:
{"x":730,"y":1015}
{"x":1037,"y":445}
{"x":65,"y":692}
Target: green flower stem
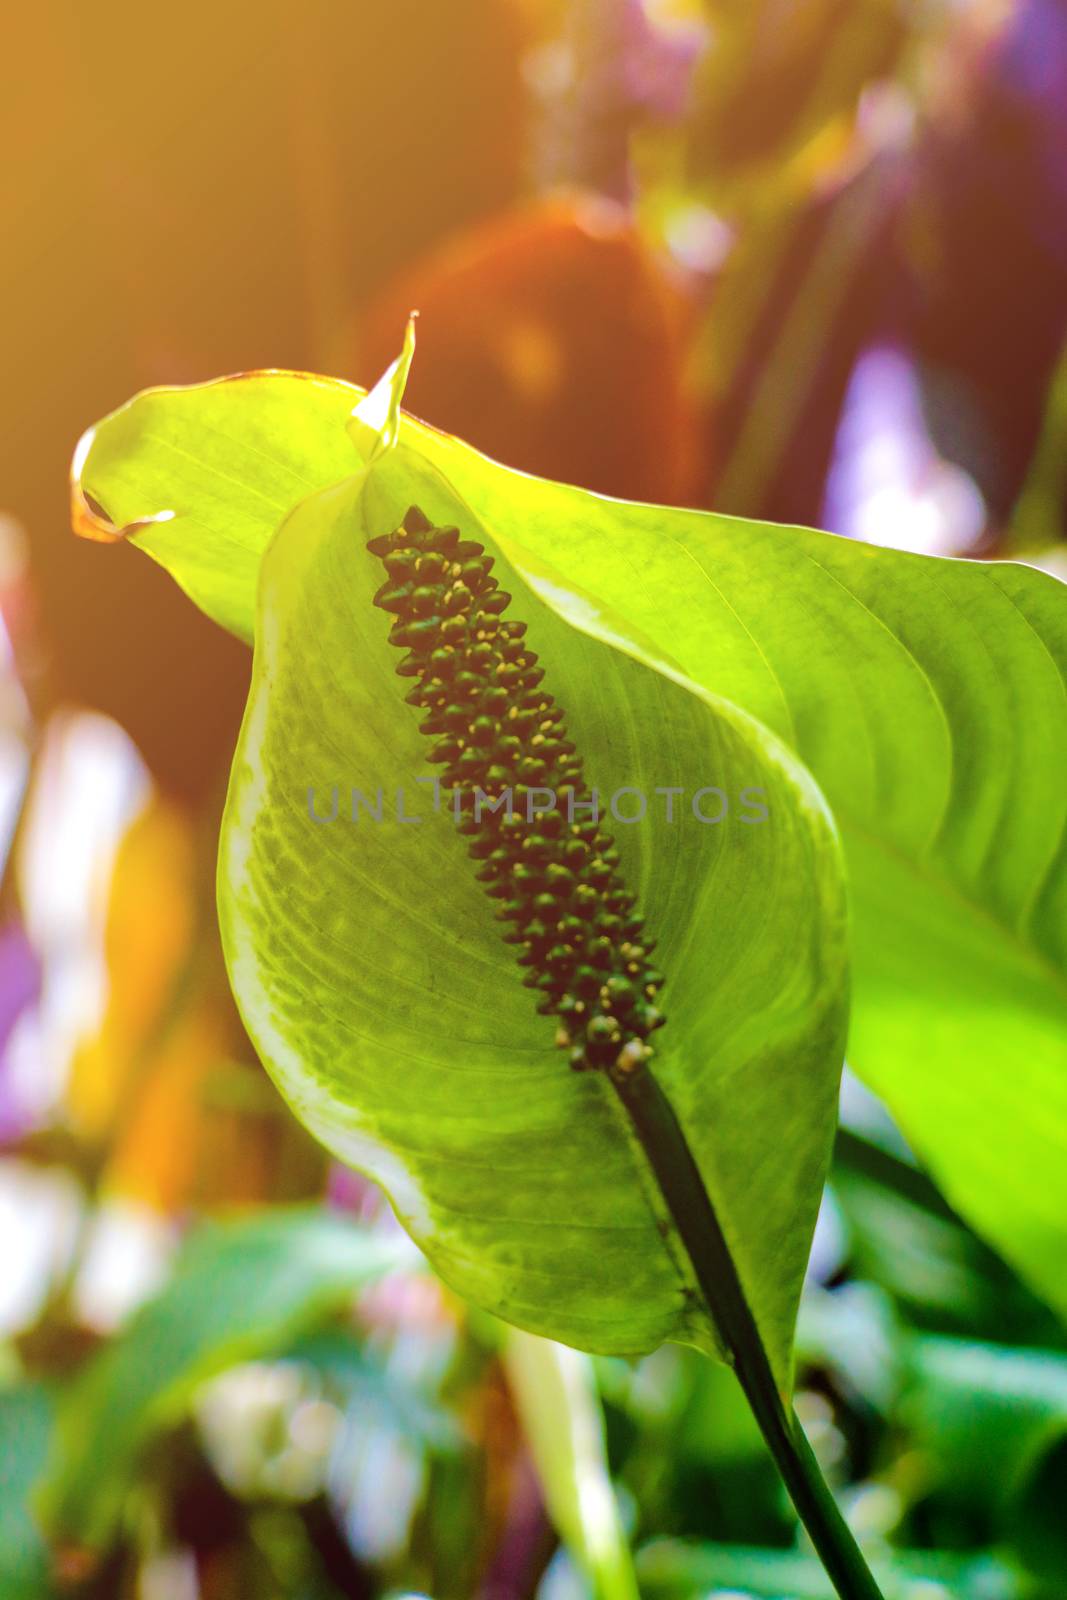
{"x":683,"y":1188}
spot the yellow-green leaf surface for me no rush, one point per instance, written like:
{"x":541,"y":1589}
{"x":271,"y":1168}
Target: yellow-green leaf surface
{"x":927,"y":697}
{"x":375,"y":982}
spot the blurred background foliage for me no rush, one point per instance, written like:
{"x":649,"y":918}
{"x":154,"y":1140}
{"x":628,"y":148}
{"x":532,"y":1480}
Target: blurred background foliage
{"x":796,"y":259}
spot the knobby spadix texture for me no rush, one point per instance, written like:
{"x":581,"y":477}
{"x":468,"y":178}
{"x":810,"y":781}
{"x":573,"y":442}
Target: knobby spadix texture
{"x":502,"y":743}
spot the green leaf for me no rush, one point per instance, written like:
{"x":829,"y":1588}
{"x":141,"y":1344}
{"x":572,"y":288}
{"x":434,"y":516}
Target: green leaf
{"x":25,"y":1420}
{"x":675,"y":1571}
{"x":927,"y":697}
{"x":240,"y":1290}
{"x":992,"y":1424}
{"x":375,"y":983}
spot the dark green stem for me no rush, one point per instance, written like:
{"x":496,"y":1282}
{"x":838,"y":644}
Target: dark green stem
{"x":694,"y":1216}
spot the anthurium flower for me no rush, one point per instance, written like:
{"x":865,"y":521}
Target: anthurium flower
{"x":593,"y":1057}
{"x":444,"y":981}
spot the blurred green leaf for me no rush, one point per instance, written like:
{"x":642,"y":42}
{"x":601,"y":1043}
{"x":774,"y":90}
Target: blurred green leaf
{"x":670,"y":1571}
{"x":370,"y":1382}
{"x":853,"y":1332}
{"x":991,"y":1423}
{"x":901,"y":1234}
{"x":690,"y":1453}
{"x":766,"y":91}
{"x":1038,"y":512}
{"x":923,"y":1258}
{"x":927,"y":696}
{"x":25,"y":1421}
{"x":240,"y":1290}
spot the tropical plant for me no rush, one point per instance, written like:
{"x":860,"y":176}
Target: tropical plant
{"x":654,"y":1182}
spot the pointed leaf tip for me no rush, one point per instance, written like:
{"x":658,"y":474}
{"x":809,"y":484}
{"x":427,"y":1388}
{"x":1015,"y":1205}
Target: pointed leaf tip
{"x":374,"y":425}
